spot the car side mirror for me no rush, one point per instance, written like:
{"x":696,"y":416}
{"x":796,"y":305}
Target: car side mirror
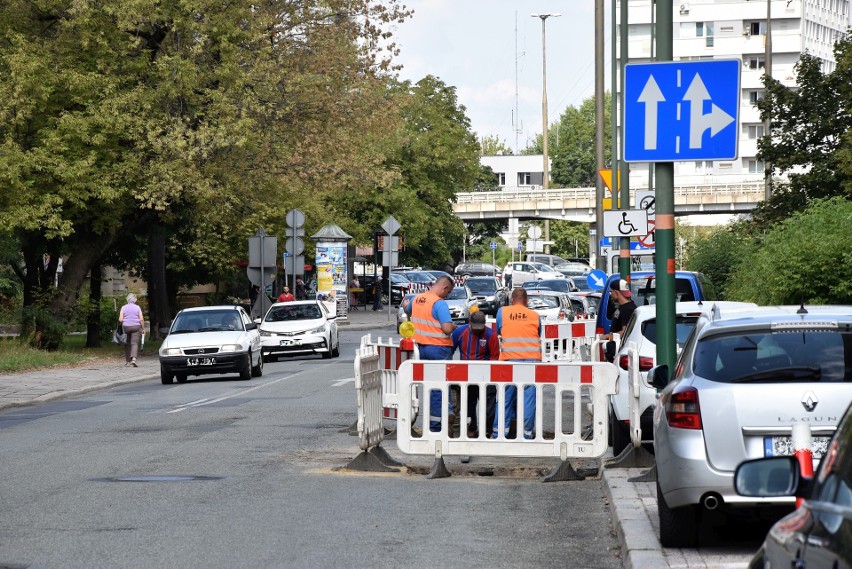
{"x":251,"y":326}
{"x":658,"y":376}
{"x":770,"y":477}
{"x":258,"y":320}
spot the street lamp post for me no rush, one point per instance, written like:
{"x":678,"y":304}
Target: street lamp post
{"x":545,"y":180}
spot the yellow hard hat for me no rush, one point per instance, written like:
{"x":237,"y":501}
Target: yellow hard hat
{"x":406,"y":330}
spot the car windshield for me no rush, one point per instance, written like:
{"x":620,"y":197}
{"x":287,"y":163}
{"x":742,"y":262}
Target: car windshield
{"x":582,"y":283}
{"x":289,"y":312}
{"x":425,"y":278}
{"x":558,"y":285}
{"x":206,"y":321}
{"x":645,"y":290}
{"x":457,"y":293}
{"x":542,"y":267}
{"x":481,"y":285}
{"x":542,"y":302}
{"x":775,"y":357}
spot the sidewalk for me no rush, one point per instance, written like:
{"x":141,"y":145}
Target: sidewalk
{"x":634,"y":505}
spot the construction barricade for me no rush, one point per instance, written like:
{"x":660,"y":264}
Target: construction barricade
{"x":567,"y":341}
{"x":391,"y":356}
{"x":368,"y":397}
{"x":571,"y":406}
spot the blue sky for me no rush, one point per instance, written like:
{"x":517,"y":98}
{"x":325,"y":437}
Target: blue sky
{"x":470,"y":44}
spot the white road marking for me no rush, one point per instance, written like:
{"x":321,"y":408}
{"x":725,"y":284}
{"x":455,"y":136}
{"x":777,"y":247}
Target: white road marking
{"x":342,"y":382}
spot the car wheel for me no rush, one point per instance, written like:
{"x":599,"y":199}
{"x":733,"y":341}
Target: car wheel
{"x":257,"y":370}
{"x":620,"y":434}
{"x":165,"y":376}
{"x":181,"y":378}
{"x":678,"y":526}
{"x":335,"y":353}
{"x":245,"y":373}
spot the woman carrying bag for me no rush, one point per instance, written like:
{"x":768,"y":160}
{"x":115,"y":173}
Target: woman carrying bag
{"x":131,"y":319}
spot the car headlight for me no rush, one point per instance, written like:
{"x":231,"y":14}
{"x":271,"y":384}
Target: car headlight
{"x":265,"y":333}
{"x":231,"y":348}
{"x":319,"y":330}
{"x":171,"y":352}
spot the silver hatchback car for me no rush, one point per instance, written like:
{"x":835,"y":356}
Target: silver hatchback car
{"x":740,"y":384}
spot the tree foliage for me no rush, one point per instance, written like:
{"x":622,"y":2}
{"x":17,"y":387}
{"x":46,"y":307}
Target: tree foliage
{"x":805,"y":257}
{"x":810,"y":135}
{"x":717,"y":254}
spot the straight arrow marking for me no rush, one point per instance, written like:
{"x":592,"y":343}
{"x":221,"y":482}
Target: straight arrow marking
{"x":652,"y":96}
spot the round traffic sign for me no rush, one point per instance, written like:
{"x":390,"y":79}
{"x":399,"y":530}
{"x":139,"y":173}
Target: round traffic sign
{"x":534,"y":231}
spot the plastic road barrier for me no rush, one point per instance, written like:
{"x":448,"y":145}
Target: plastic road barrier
{"x":801,"y":436}
{"x":565,"y":394}
{"x":567,"y":340}
{"x":368,"y":395}
{"x":633,"y":388}
{"x":391,"y":356}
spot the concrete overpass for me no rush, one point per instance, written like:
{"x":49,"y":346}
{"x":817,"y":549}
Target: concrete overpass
{"x":578,"y":204}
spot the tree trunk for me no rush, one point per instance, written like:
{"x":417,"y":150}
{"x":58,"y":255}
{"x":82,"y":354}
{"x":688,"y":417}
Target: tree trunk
{"x":93,"y":319}
{"x":86,"y":254}
{"x":159,"y":312}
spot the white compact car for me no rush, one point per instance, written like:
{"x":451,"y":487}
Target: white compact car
{"x":524,"y":271}
{"x":299,"y":328}
{"x":642,"y":331}
{"x":550,"y":305}
{"x":207,"y":340}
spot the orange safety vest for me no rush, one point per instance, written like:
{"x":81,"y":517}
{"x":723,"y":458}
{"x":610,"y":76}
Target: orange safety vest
{"x":427,"y":329}
{"x":519,"y":334}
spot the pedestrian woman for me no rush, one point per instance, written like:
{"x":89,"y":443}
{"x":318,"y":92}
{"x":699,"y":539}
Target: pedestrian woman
{"x":131,"y":319}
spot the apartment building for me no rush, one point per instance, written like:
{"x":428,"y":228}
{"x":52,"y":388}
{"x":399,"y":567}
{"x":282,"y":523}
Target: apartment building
{"x":736,"y":29}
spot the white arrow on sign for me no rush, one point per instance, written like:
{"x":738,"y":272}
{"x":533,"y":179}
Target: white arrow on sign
{"x":652,"y":96}
{"x":597,"y":280}
{"x":716,"y":120}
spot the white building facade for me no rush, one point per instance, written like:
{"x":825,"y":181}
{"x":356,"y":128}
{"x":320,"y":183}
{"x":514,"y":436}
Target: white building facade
{"x":736,"y":29}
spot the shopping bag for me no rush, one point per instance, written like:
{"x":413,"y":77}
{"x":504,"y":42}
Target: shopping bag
{"x":118,"y":335}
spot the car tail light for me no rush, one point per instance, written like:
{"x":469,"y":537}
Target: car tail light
{"x":682,"y":409}
{"x":645,"y":363}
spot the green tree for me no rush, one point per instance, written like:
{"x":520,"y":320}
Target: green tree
{"x":810,"y":136}
{"x":570,"y":238}
{"x":717,"y":253}
{"x":805,"y":257}
{"x":494,"y":146}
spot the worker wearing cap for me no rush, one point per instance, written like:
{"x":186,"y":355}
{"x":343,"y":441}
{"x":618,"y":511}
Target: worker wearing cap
{"x":519,"y":328}
{"x":433,"y":329}
{"x":620,"y":293}
{"x":476,"y":342}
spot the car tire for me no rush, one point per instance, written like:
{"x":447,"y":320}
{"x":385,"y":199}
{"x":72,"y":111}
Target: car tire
{"x":245,"y":373}
{"x":335,"y":353}
{"x":165,"y":376}
{"x":620,"y":434}
{"x":678,"y":526}
{"x":181,"y":378}
{"x":257,"y":371}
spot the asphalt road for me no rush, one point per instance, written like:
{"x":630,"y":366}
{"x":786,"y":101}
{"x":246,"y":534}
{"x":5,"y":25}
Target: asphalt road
{"x":219,"y":472}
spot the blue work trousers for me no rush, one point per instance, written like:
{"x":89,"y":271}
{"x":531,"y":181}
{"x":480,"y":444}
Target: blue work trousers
{"x":430,"y":352}
{"x":511,"y":405}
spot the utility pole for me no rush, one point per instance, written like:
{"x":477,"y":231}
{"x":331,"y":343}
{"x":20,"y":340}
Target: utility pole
{"x":599,"y":128}
{"x":546,"y":177}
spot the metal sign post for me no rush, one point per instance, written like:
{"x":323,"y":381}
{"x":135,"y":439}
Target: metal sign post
{"x":391,"y":226}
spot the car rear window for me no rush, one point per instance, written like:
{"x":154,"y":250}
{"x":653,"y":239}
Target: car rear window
{"x":775,"y":357}
{"x":684,"y":325}
{"x":645,"y":290}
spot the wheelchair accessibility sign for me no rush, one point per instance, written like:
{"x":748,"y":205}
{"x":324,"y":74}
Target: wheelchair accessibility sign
{"x":625,"y":223}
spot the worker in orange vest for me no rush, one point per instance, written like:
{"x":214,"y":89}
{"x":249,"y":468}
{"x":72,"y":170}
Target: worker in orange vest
{"x":519,"y":329}
{"x":433,"y":330}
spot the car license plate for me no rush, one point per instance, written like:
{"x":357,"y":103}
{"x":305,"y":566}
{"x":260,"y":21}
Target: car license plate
{"x":291,"y":342}
{"x":783,"y":446}
{"x":200,"y":361}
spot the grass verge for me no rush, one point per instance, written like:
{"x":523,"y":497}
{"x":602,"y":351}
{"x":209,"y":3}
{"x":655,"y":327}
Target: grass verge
{"x":18,"y":356}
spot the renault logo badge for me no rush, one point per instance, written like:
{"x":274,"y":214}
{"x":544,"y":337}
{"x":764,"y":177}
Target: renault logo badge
{"x":809,"y":401}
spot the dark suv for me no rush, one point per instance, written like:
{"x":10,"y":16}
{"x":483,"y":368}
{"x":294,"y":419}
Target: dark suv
{"x":478,"y":269}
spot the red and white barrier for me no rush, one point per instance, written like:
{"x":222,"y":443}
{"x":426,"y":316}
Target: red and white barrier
{"x":391,"y":356}
{"x":567,"y":340}
{"x":368,"y":396}
{"x":565,"y":394}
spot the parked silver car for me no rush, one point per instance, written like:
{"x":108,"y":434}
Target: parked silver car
{"x":739,"y":386}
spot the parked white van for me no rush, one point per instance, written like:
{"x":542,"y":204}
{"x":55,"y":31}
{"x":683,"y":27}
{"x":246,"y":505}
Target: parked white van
{"x":524,"y":271}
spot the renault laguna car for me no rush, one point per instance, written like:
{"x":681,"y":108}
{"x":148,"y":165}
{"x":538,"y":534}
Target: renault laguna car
{"x":299,"y":328}
{"x":208,"y":340}
{"x":740,"y":385}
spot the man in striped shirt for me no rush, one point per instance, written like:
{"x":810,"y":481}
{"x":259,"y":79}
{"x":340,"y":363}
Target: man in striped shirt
{"x":476,"y":342}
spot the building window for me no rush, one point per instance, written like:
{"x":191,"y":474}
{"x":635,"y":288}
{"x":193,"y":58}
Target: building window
{"x":755,"y":96}
{"x":756,"y":62}
{"x":755,"y":131}
{"x":709,"y":41}
{"x":501,"y":179}
{"x":756,"y":28}
{"x":755,"y":166}
{"x":524,"y":179}
{"x":704,"y":167}
{"x":699,"y":29}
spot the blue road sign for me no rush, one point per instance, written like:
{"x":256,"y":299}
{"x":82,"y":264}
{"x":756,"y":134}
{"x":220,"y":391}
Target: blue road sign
{"x":634,"y":245}
{"x":493,"y":245}
{"x":596,"y":279}
{"x":520,"y":246}
{"x":681,"y":110}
